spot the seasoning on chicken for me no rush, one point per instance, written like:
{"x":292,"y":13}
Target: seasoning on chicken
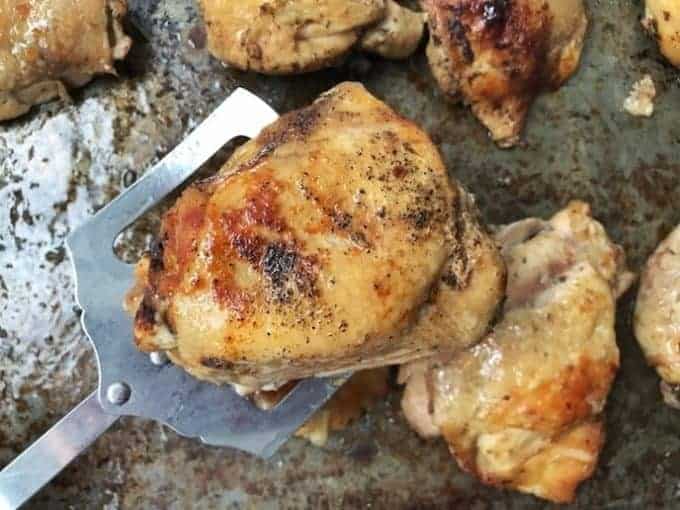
{"x":662,"y":20}
{"x":47,"y":46}
{"x":297,"y":36}
{"x":523,"y":408}
{"x":322,"y":246}
{"x":498,"y":55}
{"x":657,"y":315}
{"x":397,"y":35}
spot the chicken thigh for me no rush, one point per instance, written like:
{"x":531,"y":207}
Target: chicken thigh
{"x":48,"y":45}
{"x":523,"y":408}
{"x":662,"y":20}
{"x":499,"y":54}
{"x":397,"y":35}
{"x":296,"y":36}
{"x":657,"y":315}
{"x":320,"y":247}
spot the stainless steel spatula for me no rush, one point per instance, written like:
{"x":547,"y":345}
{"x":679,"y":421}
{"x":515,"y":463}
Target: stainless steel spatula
{"x":130,"y":382}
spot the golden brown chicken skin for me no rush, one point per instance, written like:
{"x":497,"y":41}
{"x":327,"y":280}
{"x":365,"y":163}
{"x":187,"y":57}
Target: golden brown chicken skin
{"x":498,"y":55}
{"x":662,"y":20}
{"x":49,"y":45}
{"x":657,"y":315}
{"x":523,"y":408}
{"x":297,"y":36}
{"x":318,"y":248}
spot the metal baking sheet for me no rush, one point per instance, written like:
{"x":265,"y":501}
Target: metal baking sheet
{"x":62,"y":162}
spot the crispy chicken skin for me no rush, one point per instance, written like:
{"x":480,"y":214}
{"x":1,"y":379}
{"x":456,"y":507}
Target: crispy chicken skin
{"x":657,"y":314}
{"x":48,"y":45}
{"x":297,"y":36}
{"x":523,"y":408}
{"x":662,"y":20}
{"x":318,"y":248}
{"x":498,"y":55}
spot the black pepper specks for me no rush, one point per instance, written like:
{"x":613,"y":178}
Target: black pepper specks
{"x":341,"y":220}
{"x":460,"y":37}
{"x":278,"y":262}
{"x":494,"y":11}
{"x":156,"y":256}
{"x":216,"y":363}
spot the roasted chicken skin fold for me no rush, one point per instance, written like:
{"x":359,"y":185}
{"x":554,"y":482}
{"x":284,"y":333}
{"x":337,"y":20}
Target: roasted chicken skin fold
{"x":296,"y":36}
{"x":499,"y":55}
{"x":523,"y":408}
{"x":662,"y":20}
{"x":321,"y":246}
{"x":49,"y":45}
{"x":657,"y":315}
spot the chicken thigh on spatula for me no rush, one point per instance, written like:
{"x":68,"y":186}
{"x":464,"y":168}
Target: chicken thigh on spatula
{"x":333,"y":241}
{"x":523,"y":408}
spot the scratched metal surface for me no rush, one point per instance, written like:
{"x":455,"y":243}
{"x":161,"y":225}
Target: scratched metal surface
{"x":62,"y":162}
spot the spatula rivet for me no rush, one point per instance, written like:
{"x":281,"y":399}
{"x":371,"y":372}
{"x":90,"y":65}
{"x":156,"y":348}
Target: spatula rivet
{"x":158,"y":358}
{"x":118,"y":393}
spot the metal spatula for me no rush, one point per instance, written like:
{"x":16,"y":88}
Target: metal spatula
{"x":130,"y":382}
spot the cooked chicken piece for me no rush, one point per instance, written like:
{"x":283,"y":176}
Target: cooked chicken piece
{"x":498,"y":55}
{"x":48,"y":45}
{"x":657,"y":315}
{"x":397,"y":35}
{"x":297,"y":36}
{"x":320,"y":247}
{"x":361,"y":392}
{"x":286,"y":36}
{"x":662,"y":20}
{"x":523,"y":408}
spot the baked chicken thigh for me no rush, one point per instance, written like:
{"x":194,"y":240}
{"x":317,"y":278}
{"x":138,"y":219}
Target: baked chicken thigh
{"x":296,"y":36}
{"x":499,"y":54}
{"x":523,"y":408}
{"x":662,"y":20}
{"x":323,"y":245}
{"x":657,"y":315}
{"x":49,"y":45}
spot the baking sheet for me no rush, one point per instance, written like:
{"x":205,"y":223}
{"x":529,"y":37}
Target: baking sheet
{"x":61,"y":163}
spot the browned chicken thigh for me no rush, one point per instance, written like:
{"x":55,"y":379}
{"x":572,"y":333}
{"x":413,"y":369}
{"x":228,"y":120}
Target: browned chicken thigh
{"x":523,"y":408}
{"x":296,"y":36}
{"x":49,"y":45}
{"x":657,"y":315}
{"x":335,"y":240}
{"x":497,"y":55}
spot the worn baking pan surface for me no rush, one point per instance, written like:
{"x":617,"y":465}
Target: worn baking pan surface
{"x":60,"y":163}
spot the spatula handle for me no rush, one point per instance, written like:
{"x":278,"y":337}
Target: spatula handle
{"x":52,"y":452}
